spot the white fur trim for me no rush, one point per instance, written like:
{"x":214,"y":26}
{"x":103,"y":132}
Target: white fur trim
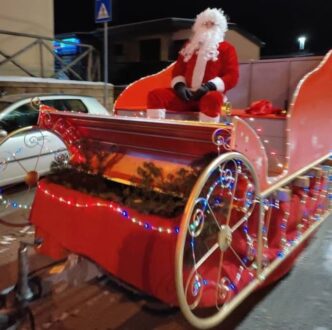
{"x":177,"y":79}
{"x":214,"y":15}
{"x":209,"y":30}
{"x":219,"y":84}
{"x":205,"y":118}
{"x":156,"y":113}
{"x":199,"y":70}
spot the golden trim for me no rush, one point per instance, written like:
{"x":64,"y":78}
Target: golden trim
{"x":219,"y":316}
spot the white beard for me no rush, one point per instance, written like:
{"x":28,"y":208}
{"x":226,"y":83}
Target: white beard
{"x":204,"y":41}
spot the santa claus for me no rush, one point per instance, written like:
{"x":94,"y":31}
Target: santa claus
{"x":206,"y":68}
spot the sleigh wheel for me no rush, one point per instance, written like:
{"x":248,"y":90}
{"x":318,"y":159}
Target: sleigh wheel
{"x":215,"y":253}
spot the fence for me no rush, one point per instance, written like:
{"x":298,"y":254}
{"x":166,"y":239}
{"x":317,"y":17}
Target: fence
{"x":84,"y":66}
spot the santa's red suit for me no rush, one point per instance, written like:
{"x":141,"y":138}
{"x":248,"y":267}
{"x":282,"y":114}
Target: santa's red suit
{"x":194,"y":71}
{"x":223,"y":72}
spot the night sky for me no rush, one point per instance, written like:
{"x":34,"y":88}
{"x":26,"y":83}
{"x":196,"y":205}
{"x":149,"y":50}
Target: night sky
{"x":277,"y":23}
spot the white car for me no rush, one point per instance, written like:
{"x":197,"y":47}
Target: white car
{"x":27,"y":152}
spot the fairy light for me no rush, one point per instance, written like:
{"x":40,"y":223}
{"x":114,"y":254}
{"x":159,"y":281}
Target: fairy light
{"x":304,"y":220}
{"x":3,"y":165}
{"x":329,"y":187}
{"x":323,"y":195}
{"x":273,"y":154}
{"x":283,"y":226}
{"x":12,"y":203}
{"x":238,"y":277}
{"x":315,"y":193}
{"x":267,"y":218}
{"x":114,"y":207}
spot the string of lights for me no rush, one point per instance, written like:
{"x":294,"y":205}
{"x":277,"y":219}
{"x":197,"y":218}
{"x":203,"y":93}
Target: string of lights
{"x":114,"y":207}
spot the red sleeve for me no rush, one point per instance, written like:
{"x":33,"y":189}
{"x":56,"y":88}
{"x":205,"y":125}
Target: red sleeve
{"x":230,"y":68}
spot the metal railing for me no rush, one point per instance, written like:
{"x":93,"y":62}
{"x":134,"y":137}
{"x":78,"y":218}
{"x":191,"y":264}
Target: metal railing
{"x":84,"y":66}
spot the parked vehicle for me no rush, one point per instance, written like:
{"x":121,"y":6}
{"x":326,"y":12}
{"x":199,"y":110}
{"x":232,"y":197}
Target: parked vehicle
{"x":23,"y":151}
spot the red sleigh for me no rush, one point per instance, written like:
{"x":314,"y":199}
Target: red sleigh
{"x":249,"y":213}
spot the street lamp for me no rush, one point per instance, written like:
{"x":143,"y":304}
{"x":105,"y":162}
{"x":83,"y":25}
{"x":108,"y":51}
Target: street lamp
{"x":301,"y":40}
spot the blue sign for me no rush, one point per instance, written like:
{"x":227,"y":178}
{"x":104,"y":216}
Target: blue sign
{"x":68,"y":46}
{"x":103,"y":11}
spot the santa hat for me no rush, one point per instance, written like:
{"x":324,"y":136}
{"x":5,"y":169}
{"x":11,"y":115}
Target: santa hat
{"x":213,"y":15}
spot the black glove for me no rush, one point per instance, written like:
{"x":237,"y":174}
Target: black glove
{"x":182,"y":91}
{"x":209,"y":86}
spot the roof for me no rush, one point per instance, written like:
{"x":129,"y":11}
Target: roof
{"x":162,"y":25}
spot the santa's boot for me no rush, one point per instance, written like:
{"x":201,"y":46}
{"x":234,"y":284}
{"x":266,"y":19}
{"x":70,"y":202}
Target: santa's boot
{"x":203,"y":117}
{"x":156,"y":113}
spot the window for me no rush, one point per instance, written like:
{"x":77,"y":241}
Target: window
{"x":149,"y":50}
{"x":74,"y":105}
{"x":23,"y":116}
{"x":56,"y":104}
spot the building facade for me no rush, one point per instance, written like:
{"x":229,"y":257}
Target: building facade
{"x":142,"y":48}
{"x":22,"y":54}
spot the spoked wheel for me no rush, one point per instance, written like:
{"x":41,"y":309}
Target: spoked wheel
{"x":216,"y":247}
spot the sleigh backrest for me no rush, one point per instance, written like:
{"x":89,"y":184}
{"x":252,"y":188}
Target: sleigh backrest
{"x":310,"y":117}
{"x":282,"y":76}
{"x":135,"y":95}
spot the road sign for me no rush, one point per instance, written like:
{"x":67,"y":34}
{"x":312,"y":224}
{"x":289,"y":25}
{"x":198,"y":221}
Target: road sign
{"x":103,"y":11}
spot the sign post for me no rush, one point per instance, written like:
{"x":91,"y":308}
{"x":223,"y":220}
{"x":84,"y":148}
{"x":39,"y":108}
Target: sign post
{"x":103,"y":15}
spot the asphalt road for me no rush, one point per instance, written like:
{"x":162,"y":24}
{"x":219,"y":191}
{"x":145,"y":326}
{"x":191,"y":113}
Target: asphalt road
{"x":302,"y":300}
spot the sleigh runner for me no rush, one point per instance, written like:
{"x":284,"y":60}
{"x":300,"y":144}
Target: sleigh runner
{"x":247,"y":216}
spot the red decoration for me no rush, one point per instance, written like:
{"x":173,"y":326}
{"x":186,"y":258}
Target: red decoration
{"x":262,"y":107}
{"x":31,"y":178}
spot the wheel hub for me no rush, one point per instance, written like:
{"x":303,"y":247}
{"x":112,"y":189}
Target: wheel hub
{"x":224,"y":237}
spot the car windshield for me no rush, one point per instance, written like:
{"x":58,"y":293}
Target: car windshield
{"x":4,"y":105}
